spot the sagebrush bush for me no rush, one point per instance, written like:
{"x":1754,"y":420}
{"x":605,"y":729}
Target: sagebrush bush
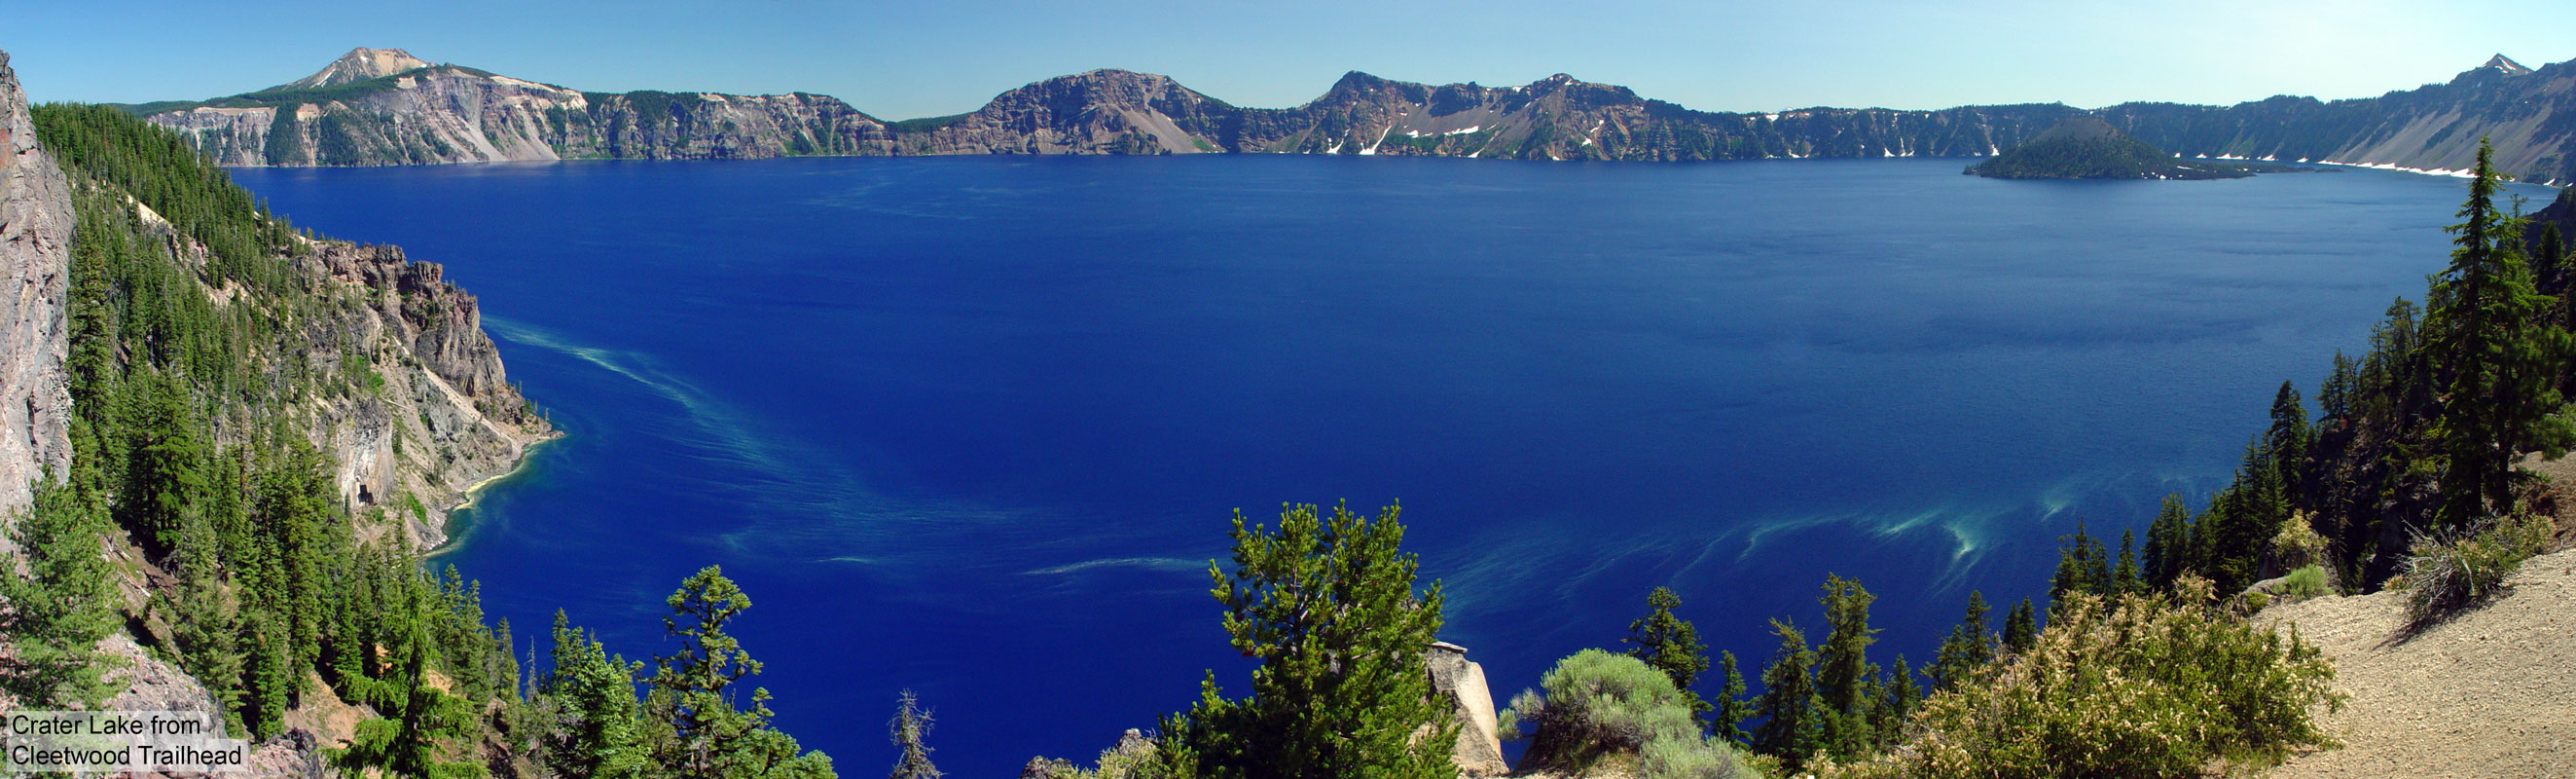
{"x":2133,"y":686}
{"x":2446,"y":571}
{"x":1597,"y":705}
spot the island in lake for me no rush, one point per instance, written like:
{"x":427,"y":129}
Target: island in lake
{"x":2085,"y":147}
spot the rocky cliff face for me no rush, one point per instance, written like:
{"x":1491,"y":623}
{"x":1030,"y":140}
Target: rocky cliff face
{"x":445,"y":113}
{"x":35,"y":249}
{"x":2530,"y":116}
{"x":365,"y":109}
{"x":1100,"y":112}
{"x":444,"y":419}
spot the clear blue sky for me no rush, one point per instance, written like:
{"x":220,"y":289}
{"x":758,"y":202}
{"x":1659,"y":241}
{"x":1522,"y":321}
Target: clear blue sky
{"x":909,"y":59}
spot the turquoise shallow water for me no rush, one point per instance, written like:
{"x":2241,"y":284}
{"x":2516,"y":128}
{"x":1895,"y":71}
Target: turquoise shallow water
{"x":974,"y":426}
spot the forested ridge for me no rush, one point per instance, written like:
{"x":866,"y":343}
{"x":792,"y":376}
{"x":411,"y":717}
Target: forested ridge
{"x":213,"y":351}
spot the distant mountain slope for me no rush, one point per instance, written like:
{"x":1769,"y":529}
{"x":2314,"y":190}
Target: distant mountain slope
{"x":355,"y":112}
{"x":1559,"y":117}
{"x":2530,"y":115}
{"x":359,"y":64}
{"x":2086,"y":147}
{"x":447,"y":113}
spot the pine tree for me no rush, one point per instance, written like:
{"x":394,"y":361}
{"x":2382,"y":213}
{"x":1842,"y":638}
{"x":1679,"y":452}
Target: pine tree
{"x":2126,"y":577}
{"x":905,"y":730}
{"x":1792,"y":728}
{"x":1733,"y":708}
{"x":2499,"y":383}
{"x":1844,"y":670}
{"x":60,"y":607}
{"x":2168,"y":543}
{"x":2021,"y":628}
{"x":1969,"y":648}
{"x":595,"y":728}
{"x":2335,"y":396}
{"x":1903,"y":695}
{"x":1328,"y":607}
{"x":2287,"y":442}
{"x":694,"y":692}
{"x":1670,"y":644}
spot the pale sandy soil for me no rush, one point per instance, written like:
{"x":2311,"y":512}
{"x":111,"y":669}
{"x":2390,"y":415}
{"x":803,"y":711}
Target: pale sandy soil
{"x":2489,"y":693}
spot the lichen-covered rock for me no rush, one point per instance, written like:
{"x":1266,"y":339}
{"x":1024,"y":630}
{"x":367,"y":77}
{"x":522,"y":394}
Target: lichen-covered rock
{"x":35,"y":250}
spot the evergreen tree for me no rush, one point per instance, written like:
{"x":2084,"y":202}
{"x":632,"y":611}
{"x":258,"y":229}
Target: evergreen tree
{"x":694,"y":692}
{"x":2126,"y":577}
{"x":1792,"y":728}
{"x":2168,"y":543}
{"x":1903,"y":695}
{"x":1670,"y":644}
{"x":2334,"y":398}
{"x":1969,"y":648}
{"x":906,"y":730}
{"x":1844,"y":670}
{"x":1733,"y":708}
{"x":420,"y":722}
{"x":1329,"y":609}
{"x":2021,"y":628}
{"x":2550,"y":263}
{"x":596,"y":717}
{"x":60,"y":607}
{"x":2500,"y":395}
{"x":2287,"y":442}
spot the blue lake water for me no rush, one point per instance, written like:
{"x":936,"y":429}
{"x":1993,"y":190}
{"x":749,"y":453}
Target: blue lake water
{"x":975,"y":426}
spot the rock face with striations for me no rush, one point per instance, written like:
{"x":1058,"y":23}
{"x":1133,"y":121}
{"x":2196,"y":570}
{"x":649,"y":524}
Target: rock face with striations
{"x":35,"y":249}
{"x":386,"y":107}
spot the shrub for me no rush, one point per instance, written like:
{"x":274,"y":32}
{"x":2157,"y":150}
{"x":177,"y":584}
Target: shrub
{"x":2297,"y":545}
{"x":2133,"y":686}
{"x":2448,"y":571}
{"x":2304,"y":583}
{"x":1600,"y":705}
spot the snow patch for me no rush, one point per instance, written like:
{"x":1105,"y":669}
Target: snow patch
{"x":1381,"y":141}
{"x":1468,"y":129}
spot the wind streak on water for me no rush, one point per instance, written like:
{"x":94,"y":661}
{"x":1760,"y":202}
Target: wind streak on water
{"x":791,"y":480}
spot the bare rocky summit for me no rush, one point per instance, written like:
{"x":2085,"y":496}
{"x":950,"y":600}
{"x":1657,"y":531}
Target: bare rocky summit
{"x":359,"y":64}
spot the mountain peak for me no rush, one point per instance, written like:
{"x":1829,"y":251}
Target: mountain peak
{"x":359,"y":64}
{"x":2505,"y":64}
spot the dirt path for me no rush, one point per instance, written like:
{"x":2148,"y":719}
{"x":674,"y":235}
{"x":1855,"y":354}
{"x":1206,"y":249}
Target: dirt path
{"x":2491,"y":693}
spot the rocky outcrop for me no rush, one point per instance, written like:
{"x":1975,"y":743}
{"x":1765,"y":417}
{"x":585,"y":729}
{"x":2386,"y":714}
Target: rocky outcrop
{"x":444,"y":417}
{"x":35,"y":249}
{"x":1480,"y":748}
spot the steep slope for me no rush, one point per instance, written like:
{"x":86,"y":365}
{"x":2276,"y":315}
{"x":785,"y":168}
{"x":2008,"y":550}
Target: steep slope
{"x":446,"y":113}
{"x":1100,"y":112}
{"x":2529,"y":114}
{"x":2085,"y":147}
{"x":2482,"y":695}
{"x":35,"y":250}
{"x":385,"y":107}
{"x":360,"y":64}
{"x":264,"y":426}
